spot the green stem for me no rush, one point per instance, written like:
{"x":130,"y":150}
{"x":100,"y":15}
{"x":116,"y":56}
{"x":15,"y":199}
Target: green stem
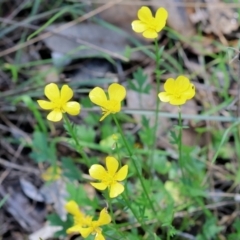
{"x":109,"y":200}
{"x":125,"y":196}
{"x":155,"y":127}
{"x":134,"y":163}
{"x":73,"y":135}
{"x":180,"y":141}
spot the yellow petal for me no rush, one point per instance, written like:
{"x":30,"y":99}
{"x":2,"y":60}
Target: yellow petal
{"x":170,"y":85}
{"x":66,"y":93}
{"x":116,"y":189}
{"x":85,"y":232}
{"x":99,"y":186}
{"x":112,"y":165}
{"x":52,"y":92}
{"x":104,"y":217}
{"x":145,"y":14}
{"x":161,"y":14}
{"x":72,"y":208}
{"x":190,"y":92}
{"x":138,"y":26}
{"x":160,"y":18}
{"x":72,"y":108}
{"x":182,"y":84}
{"x":116,"y":92}
{"x":97,"y":171}
{"x":150,"y":33}
{"x":45,"y":104}
{"x":74,"y":229}
{"x":99,"y":236}
{"x":122,"y":173}
{"x":177,"y":100}
{"x":104,"y":115}
{"x":164,"y":97}
{"x":55,"y":116}
{"x":98,"y":96}
{"x":52,"y":173}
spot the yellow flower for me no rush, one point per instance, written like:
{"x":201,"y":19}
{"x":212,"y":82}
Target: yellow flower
{"x":112,"y":104}
{"x":178,"y":91}
{"x":94,"y":226}
{"x":72,"y":208}
{"x":59,"y":102}
{"x":147,"y":24}
{"x":52,"y":173}
{"x":109,"y":178}
{"x":84,"y":224}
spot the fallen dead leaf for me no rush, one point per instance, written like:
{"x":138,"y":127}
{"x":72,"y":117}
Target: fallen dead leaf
{"x":45,"y":232}
{"x":120,"y":15}
{"x":90,"y":39}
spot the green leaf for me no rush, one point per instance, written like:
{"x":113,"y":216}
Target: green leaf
{"x":86,"y":134}
{"x":42,"y":149}
{"x":55,"y":220}
{"x":70,"y":170}
{"x":79,"y":195}
{"x":210,"y":229}
{"x":160,"y":164}
{"x":2,"y":202}
{"x":140,"y":84}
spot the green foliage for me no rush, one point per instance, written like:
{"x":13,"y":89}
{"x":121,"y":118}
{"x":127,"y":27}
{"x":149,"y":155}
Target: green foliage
{"x":3,"y":200}
{"x":236,"y":227}
{"x":146,"y":132}
{"x":141,"y":85}
{"x":210,"y":229}
{"x":78,"y":194}
{"x":70,"y":170}
{"x":43,"y":150}
{"x":55,"y":220}
{"x":152,"y":169}
{"x":85,"y":133}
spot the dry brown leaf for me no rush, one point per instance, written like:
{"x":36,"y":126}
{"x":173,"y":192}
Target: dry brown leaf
{"x":90,"y":39}
{"x":217,"y":18}
{"x":51,"y":73}
{"x":45,"y":232}
{"x":120,"y":15}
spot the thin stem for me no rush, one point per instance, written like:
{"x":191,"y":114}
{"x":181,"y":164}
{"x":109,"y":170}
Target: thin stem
{"x":155,"y":127}
{"x":109,"y":200}
{"x":125,"y":196}
{"x":73,"y":135}
{"x":134,"y":163}
{"x":180,"y":141}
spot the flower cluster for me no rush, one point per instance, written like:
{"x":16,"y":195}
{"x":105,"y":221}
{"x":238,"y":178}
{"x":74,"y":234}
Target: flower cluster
{"x":85,"y":225}
{"x":177,"y":92}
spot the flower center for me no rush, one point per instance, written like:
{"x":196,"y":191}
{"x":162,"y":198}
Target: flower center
{"x":58,"y":105}
{"x":95,"y":228}
{"x":109,"y":179}
{"x":152,"y":24}
{"x":113,"y":106}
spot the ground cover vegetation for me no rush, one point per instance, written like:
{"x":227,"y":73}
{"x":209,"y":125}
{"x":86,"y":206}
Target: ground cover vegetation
{"x":119,"y":120}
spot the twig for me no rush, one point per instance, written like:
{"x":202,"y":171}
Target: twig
{"x":69,"y":37}
{"x":15,"y":166}
{"x":177,"y":4}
